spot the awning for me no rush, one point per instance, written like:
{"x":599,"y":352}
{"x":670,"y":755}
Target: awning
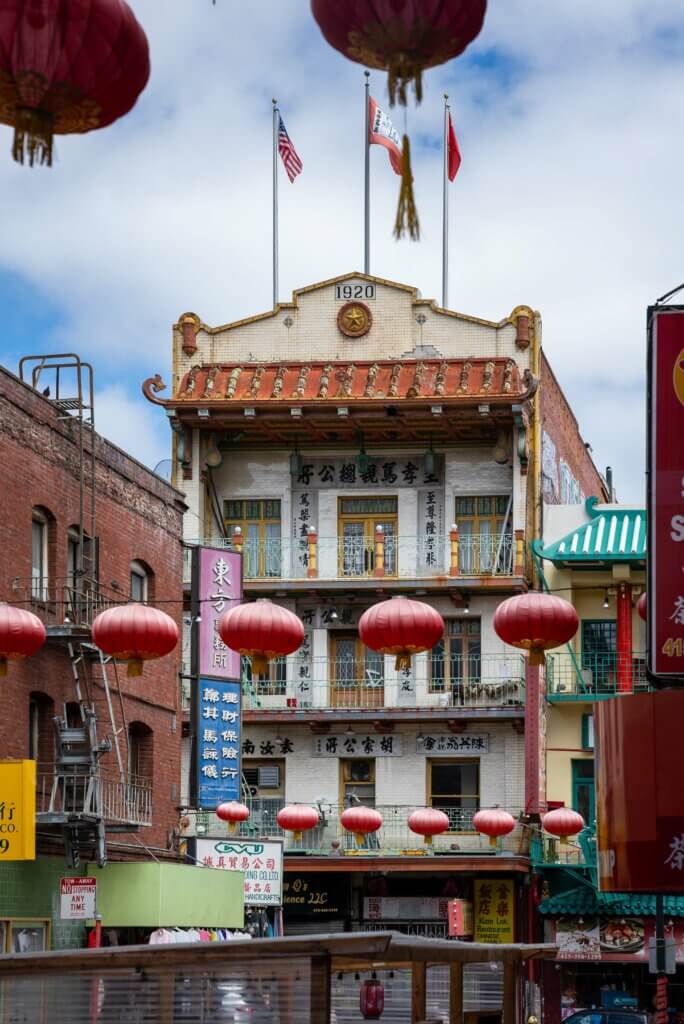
{"x":612,"y":535}
{"x":164,"y":895}
{"x":590,"y":903}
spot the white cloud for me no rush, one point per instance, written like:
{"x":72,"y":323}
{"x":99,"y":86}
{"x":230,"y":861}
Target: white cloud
{"x":566,"y":198}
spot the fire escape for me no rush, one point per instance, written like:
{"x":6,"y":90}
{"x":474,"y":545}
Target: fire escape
{"x":89,"y":791}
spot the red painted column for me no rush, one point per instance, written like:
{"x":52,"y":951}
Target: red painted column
{"x":624,"y":638}
{"x":533,"y":752}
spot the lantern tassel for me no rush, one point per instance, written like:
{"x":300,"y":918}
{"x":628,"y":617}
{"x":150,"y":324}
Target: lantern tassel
{"x":537,"y":656}
{"x":407,"y":215}
{"x":259,"y":664}
{"x":33,"y":137}
{"x":400,"y":72}
{"x":402,"y":662}
{"x":135,"y":667}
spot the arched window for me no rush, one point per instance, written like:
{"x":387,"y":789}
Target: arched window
{"x":141,"y":583}
{"x":140,"y":752}
{"x":42,"y":532}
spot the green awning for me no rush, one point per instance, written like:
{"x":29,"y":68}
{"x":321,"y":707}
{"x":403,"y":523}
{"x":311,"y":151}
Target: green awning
{"x":612,"y":535}
{"x":591,"y":903}
{"x":163,"y":895}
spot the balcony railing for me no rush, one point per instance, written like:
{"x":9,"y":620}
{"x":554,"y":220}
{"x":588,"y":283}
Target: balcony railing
{"x":359,"y":557}
{"x":98,"y":795}
{"x":579,"y":851}
{"x":329,"y":837}
{"x":591,"y":676}
{"x":62,"y":600}
{"x":482,"y":681}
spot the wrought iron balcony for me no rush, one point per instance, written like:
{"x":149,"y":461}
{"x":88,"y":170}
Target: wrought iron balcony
{"x":330,"y":838}
{"x":474,"y":681}
{"x":63,"y":601}
{"x":62,"y":795}
{"x":577,"y":677}
{"x":579,"y":851}
{"x":344,"y":558}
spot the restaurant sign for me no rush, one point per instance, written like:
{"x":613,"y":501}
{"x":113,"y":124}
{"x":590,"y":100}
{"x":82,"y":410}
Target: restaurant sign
{"x":316,"y":895}
{"x":17,"y":810}
{"x":624,"y":939}
{"x":261,"y":862}
{"x":666,"y":493}
{"x":494,"y":910}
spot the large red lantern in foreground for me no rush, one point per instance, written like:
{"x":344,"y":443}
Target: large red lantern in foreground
{"x":372,"y":999}
{"x":403,"y":37}
{"x":563,"y":822}
{"x":401,"y":627}
{"x":21,"y":635}
{"x":428,"y":822}
{"x":642,"y":606}
{"x":261,"y":630}
{"x":494,"y":822}
{"x":67,"y":66}
{"x":135,"y":633}
{"x":361,"y":821}
{"x":536,"y":623}
{"x":298,"y":818}
{"x":232,"y":812}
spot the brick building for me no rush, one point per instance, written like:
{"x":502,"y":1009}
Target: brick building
{"x":357,"y":443}
{"x":81,"y":529}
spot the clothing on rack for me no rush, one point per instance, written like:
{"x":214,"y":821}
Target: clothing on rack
{"x":167,"y":936}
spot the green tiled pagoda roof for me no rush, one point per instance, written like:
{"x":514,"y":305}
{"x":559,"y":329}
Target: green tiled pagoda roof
{"x":591,"y":903}
{"x":612,"y":535}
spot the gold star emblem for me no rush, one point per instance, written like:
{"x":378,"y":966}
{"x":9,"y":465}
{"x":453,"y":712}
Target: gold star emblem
{"x":354,"y":318}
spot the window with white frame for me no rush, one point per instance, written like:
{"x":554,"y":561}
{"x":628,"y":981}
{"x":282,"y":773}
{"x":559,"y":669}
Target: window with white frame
{"x":39,"y":555}
{"x":139,"y":583}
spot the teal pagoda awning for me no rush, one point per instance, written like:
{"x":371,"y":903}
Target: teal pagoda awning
{"x":612,"y":535}
{"x":591,"y":903}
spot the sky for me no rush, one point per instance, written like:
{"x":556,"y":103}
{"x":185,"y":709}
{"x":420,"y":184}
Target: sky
{"x":571,"y":129}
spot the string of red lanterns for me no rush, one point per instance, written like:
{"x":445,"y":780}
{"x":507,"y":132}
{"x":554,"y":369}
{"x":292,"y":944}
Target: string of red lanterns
{"x":535,"y":622}
{"x":262,"y":631}
{"x":402,"y":627}
{"x":134,"y":633}
{"x":232,"y":812}
{"x":298,"y":818}
{"x":22,"y":634}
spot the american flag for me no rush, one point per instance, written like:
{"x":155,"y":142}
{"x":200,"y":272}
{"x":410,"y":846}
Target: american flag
{"x":293,"y":165}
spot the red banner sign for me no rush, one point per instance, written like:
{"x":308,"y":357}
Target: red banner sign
{"x":666,"y":492}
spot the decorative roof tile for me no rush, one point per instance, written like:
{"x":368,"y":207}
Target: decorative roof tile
{"x":613,"y":534}
{"x":591,"y":903}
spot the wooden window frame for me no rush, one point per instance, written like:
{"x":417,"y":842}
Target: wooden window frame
{"x":369,"y":520}
{"x":243,"y":521}
{"x":454,"y":761}
{"x":447,"y":683}
{"x":345,"y":764}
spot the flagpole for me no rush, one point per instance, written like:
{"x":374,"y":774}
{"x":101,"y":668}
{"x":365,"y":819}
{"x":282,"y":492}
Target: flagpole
{"x":366,"y":171}
{"x":276,"y":115}
{"x":445,"y":208}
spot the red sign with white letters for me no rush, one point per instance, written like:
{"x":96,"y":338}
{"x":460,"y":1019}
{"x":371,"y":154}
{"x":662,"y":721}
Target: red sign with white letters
{"x":666,"y":492}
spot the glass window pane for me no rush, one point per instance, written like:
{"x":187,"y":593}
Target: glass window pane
{"x":37,"y":548}
{"x":232,"y":509}
{"x":252,"y":510}
{"x":368,"y":506}
{"x":272,"y":509}
{"x":374,"y":668}
{"x":485,"y":506}
{"x":465,"y":506}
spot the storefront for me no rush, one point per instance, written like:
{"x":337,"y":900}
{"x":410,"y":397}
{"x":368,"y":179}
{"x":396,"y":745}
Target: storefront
{"x":315,"y":903}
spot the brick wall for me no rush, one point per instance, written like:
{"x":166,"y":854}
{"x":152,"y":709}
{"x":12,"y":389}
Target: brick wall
{"x":568,"y":471}
{"x":138,"y":517}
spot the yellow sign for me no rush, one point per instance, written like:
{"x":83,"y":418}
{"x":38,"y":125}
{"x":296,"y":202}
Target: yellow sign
{"x":494,"y":910}
{"x":17,"y":810}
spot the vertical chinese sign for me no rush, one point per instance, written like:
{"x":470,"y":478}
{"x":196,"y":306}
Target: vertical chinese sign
{"x":216,"y":703}
{"x":494,"y":910}
{"x":666,"y":493}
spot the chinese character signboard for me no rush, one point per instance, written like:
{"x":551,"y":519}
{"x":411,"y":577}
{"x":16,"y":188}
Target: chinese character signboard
{"x":346,"y":473}
{"x":447,"y":743}
{"x":17,"y":810}
{"x":217,"y":742}
{"x":405,"y":908}
{"x":494,"y":910}
{"x":261,"y":862}
{"x":77,"y":899}
{"x":640,"y":808}
{"x":217,"y":586}
{"x":666,"y":493}
{"x":358,"y":745}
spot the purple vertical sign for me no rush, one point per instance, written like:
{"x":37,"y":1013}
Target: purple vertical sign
{"x":220,"y":588}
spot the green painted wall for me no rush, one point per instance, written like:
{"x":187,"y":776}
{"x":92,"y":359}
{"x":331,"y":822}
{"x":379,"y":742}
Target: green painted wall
{"x":30,"y":889}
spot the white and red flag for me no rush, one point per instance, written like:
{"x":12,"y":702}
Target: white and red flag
{"x":381,"y":132}
{"x":290,"y":157}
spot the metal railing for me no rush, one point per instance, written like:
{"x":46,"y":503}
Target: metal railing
{"x":62,"y":600}
{"x":587,"y":676}
{"x":481,"y":681}
{"x":330,"y":838}
{"x":357,"y":557}
{"x":580,"y":850}
{"x":97,"y":794}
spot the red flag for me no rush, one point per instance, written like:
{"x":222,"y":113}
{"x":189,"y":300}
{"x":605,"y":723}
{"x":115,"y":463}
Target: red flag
{"x":454,"y":153}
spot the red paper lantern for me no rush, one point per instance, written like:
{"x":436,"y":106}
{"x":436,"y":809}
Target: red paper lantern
{"x":67,"y":66}
{"x":642,"y":606}
{"x":298,"y":818}
{"x":261,"y":630}
{"x":403,"y":37}
{"x":535,"y":622}
{"x":494,"y":822}
{"x":232,"y":812}
{"x":21,"y":635}
{"x":372,"y":999}
{"x":135,"y":633}
{"x":428,"y":822}
{"x":361,"y":821}
{"x":563,"y":822}
{"x":402,"y":627}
